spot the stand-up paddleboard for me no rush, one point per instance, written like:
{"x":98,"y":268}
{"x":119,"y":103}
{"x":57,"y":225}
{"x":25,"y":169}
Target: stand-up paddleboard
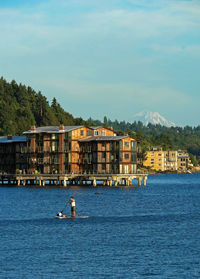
{"x":61,"y":217}
{"x":70,"y":217}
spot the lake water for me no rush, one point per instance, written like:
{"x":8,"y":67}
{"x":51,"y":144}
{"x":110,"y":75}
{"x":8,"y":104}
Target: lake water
{"x":145,"y":232}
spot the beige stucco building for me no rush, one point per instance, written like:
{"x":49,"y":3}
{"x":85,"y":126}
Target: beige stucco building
{"x":160,"y":160}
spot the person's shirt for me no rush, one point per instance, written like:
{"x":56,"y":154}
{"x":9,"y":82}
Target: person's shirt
{"x":73,"y":203}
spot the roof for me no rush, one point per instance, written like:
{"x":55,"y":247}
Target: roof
{"x":98,"y":127}
{"x":104,"y":138}
{"x":52,"y":129}
{"x":5,"y":139}
{"x":95,"y":127}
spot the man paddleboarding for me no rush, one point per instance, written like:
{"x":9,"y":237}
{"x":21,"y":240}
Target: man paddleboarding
{"x":73,"y":204}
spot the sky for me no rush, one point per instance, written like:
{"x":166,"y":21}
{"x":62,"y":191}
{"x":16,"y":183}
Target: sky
{"x":110,"y":58}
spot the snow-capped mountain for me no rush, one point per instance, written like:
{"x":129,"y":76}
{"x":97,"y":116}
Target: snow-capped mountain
{"x":152,"y":117}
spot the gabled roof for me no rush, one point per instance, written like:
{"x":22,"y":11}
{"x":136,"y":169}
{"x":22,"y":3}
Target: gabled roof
{"x":95,"y":127}
{"x":104,"y":138}
{"x":98,"y":127}
{"x":5,"y":139}
{"x":52,"y":129}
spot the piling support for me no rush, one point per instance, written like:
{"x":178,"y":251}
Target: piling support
{"x":139,"y":181}
{"x":145,"y":180}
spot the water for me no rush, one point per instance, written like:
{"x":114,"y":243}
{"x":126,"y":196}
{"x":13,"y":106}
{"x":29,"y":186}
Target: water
{"x":145,"y":232}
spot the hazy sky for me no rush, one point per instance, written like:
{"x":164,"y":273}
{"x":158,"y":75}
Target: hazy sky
{"x":106,"y":57}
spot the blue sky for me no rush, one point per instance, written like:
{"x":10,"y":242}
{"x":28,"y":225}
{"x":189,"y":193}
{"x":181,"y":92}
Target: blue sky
{"x":112,"y":58}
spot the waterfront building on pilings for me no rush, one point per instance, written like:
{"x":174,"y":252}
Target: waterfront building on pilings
{"x":13,"y":157}
{"x":108,"y":154}
{"x":56,"y":149}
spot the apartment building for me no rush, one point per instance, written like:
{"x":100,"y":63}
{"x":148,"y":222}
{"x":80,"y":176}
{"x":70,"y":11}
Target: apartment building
{"x":12,"y":154}
{"x":111,"y":154}
{"x":160,"y":160}
{"x":183,"y":160}
{"x":79,"y":149}
{"x":155,"y":159}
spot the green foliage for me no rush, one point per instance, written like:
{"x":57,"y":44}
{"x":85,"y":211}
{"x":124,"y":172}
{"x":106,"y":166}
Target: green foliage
{"x":149,"y":136}
{"x":193,"y":160}
{"x":21,"y":107}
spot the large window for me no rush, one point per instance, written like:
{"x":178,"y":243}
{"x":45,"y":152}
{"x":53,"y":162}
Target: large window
{"x":126,"y":144}
{"x":96,"y":133}
{"x":126,"y":156}
{"x":133,"y":145}
{"x":103,"y":133}
{"x":133,"y":157}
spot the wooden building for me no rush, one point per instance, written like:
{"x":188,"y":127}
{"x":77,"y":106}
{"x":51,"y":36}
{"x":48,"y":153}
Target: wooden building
{"x":108,"y":154}
{"x":54,"y":149}
{"x":79,"y":149}
{"x":13,"y":154}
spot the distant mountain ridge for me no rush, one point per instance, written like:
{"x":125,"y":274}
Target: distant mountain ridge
{"x":154,"y":118}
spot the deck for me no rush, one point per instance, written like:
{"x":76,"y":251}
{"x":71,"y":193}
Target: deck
{"x":73,"y":179}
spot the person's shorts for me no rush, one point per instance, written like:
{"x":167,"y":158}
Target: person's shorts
{"x":73,"y":209}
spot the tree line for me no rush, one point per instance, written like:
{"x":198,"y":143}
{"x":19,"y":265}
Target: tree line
{"x":169,"y":138}
{"x":21,"y":107}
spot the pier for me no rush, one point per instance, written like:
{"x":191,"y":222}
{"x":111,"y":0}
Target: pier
{"x":66,"y":180}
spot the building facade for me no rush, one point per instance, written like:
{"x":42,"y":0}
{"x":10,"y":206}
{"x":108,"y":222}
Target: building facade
{"x":155,"y":159}
{"x":172,"y":160}
{"x":13,"y":154}
{"x":183,"y":160}
{"x":111,"y":154}
{"x":79,"y":149}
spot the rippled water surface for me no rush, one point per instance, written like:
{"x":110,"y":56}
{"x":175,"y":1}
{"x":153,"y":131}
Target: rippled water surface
{"x":146,"y":232}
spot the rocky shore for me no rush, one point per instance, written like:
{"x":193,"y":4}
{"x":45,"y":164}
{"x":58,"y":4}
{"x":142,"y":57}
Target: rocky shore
{"x":149,"y":171}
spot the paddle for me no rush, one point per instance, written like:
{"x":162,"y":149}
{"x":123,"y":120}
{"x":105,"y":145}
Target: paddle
{"x":63,"y":209}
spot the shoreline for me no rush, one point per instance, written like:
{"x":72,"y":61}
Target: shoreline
{"x":154,"y":172}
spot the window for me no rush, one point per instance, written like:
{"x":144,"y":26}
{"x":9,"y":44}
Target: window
{"x":133,"y":157}
{"x":126,"y":144}
{"x":103,"y":166}
{"x":104,"y":155}
{"x":133,"y":145}
{"x":126,"y":156}
{"x":89,"y":133}
{"x":103,"y":133}
{"x":96,"y":133}
{"x":82,"y":132}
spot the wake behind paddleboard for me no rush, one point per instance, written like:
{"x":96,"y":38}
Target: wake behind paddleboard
{"x":70,"y":217}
